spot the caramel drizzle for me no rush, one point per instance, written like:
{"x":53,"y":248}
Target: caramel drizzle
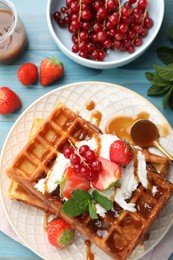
{"x":89,"y":254}
{"x":136,"y":166}
{"x":90,"y":105}
{"x":96,"y":117}
{"x":46,"y":221}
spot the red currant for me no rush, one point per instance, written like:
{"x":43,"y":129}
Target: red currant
{"x":96,"y":166}
{"x":98,"y":25}
{"x":74,"y":159}
{"x":92,"y":176}
{"x":142,"y":4}
{"x":112,"y":5}
{"x":89,"y":156}
{"x":148,"y":22}
{"x":84,"y":170}
{"x":77,"y":168}
{"x":68,"y":152}
{"x":83,"y":149}
{"x":75,"y":48}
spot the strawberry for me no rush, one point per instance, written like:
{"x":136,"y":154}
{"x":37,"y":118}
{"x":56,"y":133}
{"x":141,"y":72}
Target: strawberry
{"x":121,"y":153}
{"x":27,"y":74}
{"x":73,"y":181}
{"x":51,"y":69}
{"x":9,"y":101}
{"x":108,"y":175}
{"x":60,"y":233}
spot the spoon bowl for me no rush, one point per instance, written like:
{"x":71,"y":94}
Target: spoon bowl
{"x":145,"y":133}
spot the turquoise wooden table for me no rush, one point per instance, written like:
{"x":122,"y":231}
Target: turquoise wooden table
{"x":41,"y":45}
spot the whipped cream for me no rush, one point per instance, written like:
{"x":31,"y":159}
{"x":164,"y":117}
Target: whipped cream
{"x":154,"y":190}
{"x":142,"y":171}
{"x":128,"y":182}
{"x":54,"y":176}
{"x":119,"y":198}
{"x":105,"y":140}
{"x":100,"y":210}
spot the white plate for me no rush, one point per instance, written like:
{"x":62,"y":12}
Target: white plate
{"x":110,"y":99}
{"x":113,"y":59}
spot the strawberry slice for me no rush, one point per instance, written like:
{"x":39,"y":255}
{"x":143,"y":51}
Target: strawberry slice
{"x":73,"y":181}
{"x":121,"y":153}
{"x":108,"y":175}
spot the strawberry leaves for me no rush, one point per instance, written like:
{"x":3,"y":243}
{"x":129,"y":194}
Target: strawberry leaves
{"x":82,"y":201}
{"x":162,"y":83}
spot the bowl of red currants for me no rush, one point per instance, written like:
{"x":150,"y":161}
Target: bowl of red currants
{"x":104,"y":34}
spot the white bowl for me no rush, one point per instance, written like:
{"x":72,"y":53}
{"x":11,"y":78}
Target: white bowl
{"x":113,"y":59}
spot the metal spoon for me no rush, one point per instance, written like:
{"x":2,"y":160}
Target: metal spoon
{"x":145,"y":133}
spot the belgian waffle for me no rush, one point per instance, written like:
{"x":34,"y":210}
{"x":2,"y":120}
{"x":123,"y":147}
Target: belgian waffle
{"x":120,"y":231}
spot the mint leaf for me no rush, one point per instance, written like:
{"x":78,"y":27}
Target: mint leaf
{"x":149,"y":76}
{"x":74,"y":208}
{"x":165,"y":54}
{"x":165,"y":72}
{"x":92,"y":210}
{"x":170,"y":33}
{"x":166,"y":97}
{"x":102,"y":200}
{"x":157,"y":80}
{"x":158,"y":90}
{"x":81,"y":195}
{"x":171,"y":100}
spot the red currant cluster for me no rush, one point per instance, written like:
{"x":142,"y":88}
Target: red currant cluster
{"x":97,"y":25}
{"x":85,"y":163}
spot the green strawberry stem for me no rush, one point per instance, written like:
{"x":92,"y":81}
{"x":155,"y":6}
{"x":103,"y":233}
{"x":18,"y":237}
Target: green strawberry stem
{"x":66,"y":238}
{"x":55,"y":61}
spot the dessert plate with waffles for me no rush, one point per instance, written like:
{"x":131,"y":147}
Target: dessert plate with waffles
{"x":119,"y":200}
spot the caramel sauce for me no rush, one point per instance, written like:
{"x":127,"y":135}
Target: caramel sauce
{"x":95,"y":118}
{"x":136,"y":167}
{"x":90,"y":105}
{"x":46,"y":221}
{"x":121,"y":125}
{"x":164,"y":129}
{"x":90,"y":255}
{"x":98,"y":140}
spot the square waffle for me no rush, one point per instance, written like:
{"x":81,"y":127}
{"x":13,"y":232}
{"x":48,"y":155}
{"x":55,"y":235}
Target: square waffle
{"x":120,"y":231}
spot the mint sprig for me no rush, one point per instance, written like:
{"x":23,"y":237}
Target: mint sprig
{"x":102,"y":200}
{"x":92,"y":210}
{"x":162,"y":83}
{"x":165,"y":54}
{"x":83,"y":201}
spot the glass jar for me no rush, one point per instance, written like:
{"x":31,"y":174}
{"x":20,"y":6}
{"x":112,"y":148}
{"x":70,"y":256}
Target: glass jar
{"x":12,"y":34}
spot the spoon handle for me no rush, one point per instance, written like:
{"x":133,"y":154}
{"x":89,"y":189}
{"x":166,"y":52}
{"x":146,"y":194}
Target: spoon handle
{"x":170,"y":157}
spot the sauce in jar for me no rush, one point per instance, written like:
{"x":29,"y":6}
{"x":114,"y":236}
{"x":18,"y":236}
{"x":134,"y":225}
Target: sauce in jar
{"x":12,"y":34}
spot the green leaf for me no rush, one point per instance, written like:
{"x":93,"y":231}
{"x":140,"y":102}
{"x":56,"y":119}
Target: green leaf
{"x":170,"y":33}
{"x":92,"y":210}
{"x":166,"y":97}
{"x":81,"y":195}
{"x":165,"y":72}
{"x":165,"y":54}
{"x":157,"y":80}
{"x":102,"y":200}
{"x":74,"y":208}
{"x":157,"y":90}
{"x":171,"y":100}
{"x":149,"y":76}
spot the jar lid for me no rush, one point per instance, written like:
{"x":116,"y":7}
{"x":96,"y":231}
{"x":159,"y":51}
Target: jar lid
{"x":7,"y":6}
